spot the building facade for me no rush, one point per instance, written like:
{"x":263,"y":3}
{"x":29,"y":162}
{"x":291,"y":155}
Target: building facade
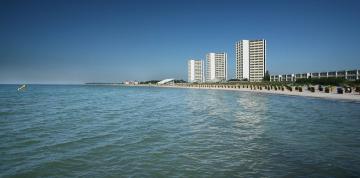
{"x":250,"y":60}
{"x":195,"y":71}
{"x":350,"y":75}
{"x":216,"y":67}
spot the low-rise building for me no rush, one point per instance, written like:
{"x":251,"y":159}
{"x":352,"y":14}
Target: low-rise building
{"x":131,"y":82}
{"x":350,"y":75}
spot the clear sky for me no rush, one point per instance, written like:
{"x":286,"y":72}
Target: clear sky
{"x":60,"y":41}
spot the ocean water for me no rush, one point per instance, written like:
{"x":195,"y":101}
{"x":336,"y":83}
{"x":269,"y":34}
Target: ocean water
{"x":114,"y":131}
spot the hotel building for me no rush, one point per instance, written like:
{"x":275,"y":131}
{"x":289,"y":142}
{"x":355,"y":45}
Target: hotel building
{"x":216,"y":67}
{"x":250,"y":60}
{"x":350,"y":75}
{"x":195,"y":71}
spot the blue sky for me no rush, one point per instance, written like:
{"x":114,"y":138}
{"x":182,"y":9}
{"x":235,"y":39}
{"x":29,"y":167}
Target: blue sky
{"x":111,"y":41}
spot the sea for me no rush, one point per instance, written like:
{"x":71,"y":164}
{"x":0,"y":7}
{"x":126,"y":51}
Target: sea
{"x":121,"y":131}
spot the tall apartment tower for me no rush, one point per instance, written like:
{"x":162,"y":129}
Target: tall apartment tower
{"x":216,"y":67}
{"x":250,"y":60}
{"x":195,"y":71}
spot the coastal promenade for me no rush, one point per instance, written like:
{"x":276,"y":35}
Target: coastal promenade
{"x":354,"y":96}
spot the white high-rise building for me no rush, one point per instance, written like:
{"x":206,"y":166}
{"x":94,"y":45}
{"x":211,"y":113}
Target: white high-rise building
{"x":250,"y":60}
{"x":195,"y":71}
{"x":216,"y":67}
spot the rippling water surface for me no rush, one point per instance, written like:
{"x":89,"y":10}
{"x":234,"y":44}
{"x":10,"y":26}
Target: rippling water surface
{"x":97,"y":131}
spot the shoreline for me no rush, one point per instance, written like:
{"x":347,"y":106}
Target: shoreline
{"x":304,"y":93}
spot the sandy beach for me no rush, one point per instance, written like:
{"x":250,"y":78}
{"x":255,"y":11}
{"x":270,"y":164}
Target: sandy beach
{"x":346,"y":96}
